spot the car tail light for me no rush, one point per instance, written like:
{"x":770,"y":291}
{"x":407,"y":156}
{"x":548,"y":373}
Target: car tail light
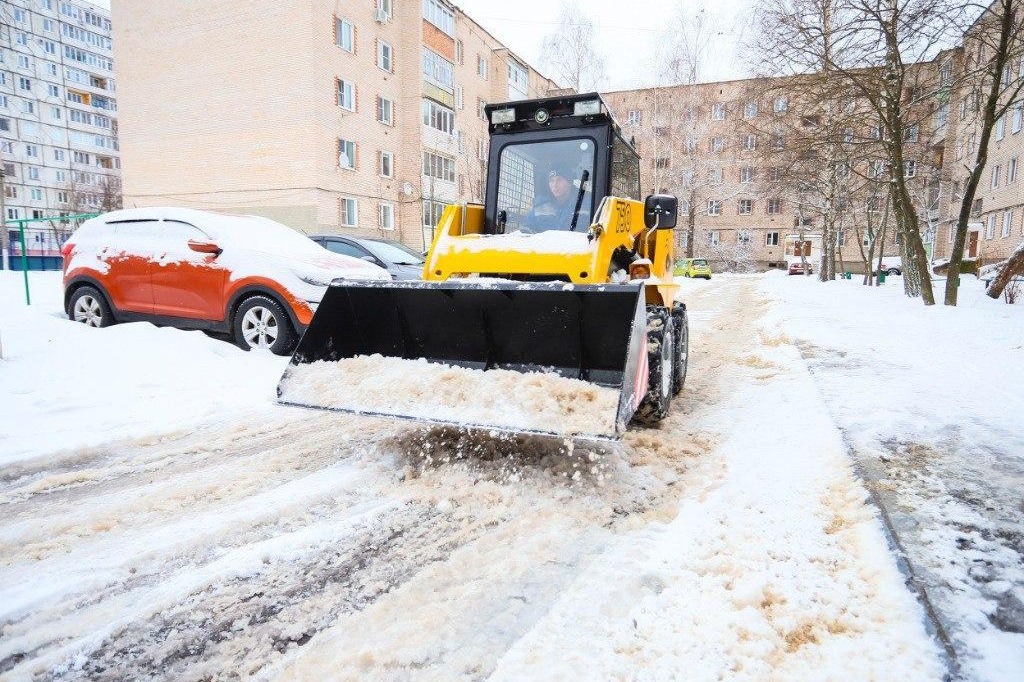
{"x":66,"y":249}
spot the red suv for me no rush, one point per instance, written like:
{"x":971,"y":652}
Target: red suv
{"x":251,"y":277}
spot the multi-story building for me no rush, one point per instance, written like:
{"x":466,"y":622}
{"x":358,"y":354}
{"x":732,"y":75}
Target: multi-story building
{"x":726,"y":150}
{"x":58,"y":111}
{"x":363,"y":117}
{"x":997,"y":218}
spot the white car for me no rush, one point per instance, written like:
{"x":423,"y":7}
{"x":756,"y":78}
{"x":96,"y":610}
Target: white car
{"x":251,"y":277}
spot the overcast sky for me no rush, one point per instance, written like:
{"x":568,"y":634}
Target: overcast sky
{"x":626,"y":32}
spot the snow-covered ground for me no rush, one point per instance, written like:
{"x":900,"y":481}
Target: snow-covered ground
{"x":931,"y":403}
{"x":161,"y":518}
{"x":64,"y":385}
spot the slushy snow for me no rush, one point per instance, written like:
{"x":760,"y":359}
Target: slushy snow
{"x":536,"y":401}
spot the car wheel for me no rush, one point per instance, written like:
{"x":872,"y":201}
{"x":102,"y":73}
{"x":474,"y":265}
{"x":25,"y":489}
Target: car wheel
{"x":681,"y":327}
{"x":661,"y":351}
{"x":892,"y":271}
{"x":88,"y":306}
{"x":261,"y":322}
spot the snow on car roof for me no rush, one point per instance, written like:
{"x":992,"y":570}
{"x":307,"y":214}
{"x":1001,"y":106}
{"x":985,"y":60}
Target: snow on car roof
{"x":258,"y":233}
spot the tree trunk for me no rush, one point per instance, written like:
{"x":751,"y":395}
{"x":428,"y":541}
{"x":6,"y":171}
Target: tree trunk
{"x":691,"y":228}
{"x":1013,"y":267}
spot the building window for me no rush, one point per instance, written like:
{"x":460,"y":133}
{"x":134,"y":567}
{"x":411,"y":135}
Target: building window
{"x":460,"y":52}
{"x":386,"y":216}
{"x":24,"y":83}
{"x":346,"y":95}
{"x":386,"y":165}
{"x":61,"y":176}
{"x":32,"y":150}
{"x":747,"y":174}
{"x":33,"y":173}
{"x":481,"y":66}
{"x":48,"y":25}
{"x":37,"y":194}
{"x":717,"y":144}
{"x":1011,"y":171}
{"x":58,"y":155}
{"x":750,"y":110}
{"x":743,"y":236}
{"x":909,"y":169}
{"x":62,"y":197}
{"x":941,"y":116}
{"x":481,"y":109}
{"x":20,"y":15}
{"x":876,"y":168}
{"x":997,"y":171}
{"x":990,"y":226}
{"x":385,"y":111}
{"x":771,"y":239}
{"x":780,"y":105}
{"x":5,"y":124}
{"x":459,"y":97}
{"x":714,"y":207}
{"x":633,"y":118}
{"x":439,"y":15}
{"x":912,"y":133}
{"x":1000,"y":128}
{"x":715,"y":176}
{"x":662,"y":162}
{"x":438,"y":117}
{"x":718,"y":111}
{"x":750,"y":142}
{"x":345,"y":35}
{"x":346,"y":154}
{"x":438,"y":167}
{"x":1007,"y":221}
{"x":774,"y":206}
{"x":385,"y":55}
{"x":348,"y":212}
{"x":746,"y":206}
{"x":714,"y":237}
{"x":1018,"y":115}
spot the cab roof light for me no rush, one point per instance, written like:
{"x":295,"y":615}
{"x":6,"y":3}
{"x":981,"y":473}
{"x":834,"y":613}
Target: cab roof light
{"x":503,"y":116}
{"x":588,"y":107}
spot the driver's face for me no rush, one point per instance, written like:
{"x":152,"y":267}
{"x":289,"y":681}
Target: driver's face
{"x":559,"y":186}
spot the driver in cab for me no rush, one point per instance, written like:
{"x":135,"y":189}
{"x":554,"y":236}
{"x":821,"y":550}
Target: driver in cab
{"x":557,"y":212}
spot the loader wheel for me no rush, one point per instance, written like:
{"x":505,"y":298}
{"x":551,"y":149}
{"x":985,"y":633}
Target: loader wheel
{"x":261,"y":322}
{"x":661,"y":354}
{"x":681,"y":328}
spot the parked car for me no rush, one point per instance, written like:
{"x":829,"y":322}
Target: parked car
{"x":798,"y":268}
{"x":891,"y":265}
{"x":692,"y":267}
{"x":250,"y":277}
{"x":399,"y":260}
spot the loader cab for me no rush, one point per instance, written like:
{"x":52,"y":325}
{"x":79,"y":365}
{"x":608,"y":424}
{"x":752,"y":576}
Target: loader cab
{"x":551,"y":163}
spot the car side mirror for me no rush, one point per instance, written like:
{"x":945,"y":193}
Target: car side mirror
{"x":661,"y":211}
{"x":202,"y":246}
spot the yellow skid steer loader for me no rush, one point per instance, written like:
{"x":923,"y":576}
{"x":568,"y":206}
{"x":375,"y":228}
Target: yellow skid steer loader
{"x":562,"y":273}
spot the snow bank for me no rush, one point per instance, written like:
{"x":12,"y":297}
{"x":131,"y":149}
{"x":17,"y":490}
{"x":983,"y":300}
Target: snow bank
{"x":66,"y":385}
{"x":423,"y":390}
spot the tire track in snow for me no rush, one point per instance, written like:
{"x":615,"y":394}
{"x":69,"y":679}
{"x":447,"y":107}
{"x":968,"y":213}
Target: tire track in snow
{"x":426,"y":522}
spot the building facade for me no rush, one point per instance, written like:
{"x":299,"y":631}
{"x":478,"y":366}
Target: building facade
{"x":58,"y":111}
{"x":363,"y":117}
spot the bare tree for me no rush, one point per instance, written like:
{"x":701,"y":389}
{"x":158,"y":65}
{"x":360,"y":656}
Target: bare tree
{"x":1007,"y":270}
{"x":569,"y":53}
{"x":994,"y":43}
{"x":882,"y":51}
{"x":110,"y":193}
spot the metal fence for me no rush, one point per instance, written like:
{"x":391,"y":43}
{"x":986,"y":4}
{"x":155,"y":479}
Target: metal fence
{"x":42,"y":247}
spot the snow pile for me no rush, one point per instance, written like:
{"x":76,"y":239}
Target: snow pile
{"x":430,"y":391}
{"x":65,"y":385}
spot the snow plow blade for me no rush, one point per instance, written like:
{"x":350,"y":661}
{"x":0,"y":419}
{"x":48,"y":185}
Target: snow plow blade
{"x":543,"y":358}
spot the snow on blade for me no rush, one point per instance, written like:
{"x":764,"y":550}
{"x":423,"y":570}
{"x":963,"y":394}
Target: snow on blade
{"x":423,"y":390}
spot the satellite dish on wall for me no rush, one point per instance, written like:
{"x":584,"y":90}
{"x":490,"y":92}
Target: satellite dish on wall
{"x":407,"y":189}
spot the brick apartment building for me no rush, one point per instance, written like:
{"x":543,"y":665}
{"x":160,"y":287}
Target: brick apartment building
{"x":739,"y":212}
{"x":362,"y":117}
{"x":58,"y":121}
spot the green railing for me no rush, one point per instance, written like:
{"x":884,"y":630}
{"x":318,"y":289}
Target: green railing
{"x":21,"y":222}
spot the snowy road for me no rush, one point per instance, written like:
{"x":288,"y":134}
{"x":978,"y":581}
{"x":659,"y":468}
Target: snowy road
{"x":282,"y":544}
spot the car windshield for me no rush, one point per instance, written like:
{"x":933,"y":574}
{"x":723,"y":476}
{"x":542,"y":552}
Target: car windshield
{"x":700,"y":262}
{"x":540,"y":185}
{"x":393,"y":252}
